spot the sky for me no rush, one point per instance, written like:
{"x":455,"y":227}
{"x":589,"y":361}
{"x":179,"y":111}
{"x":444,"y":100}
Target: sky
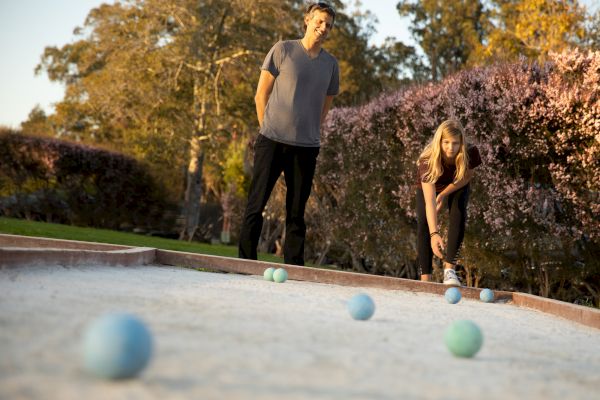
{"x":28,"y":26}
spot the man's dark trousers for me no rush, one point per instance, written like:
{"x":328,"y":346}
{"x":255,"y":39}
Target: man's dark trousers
{"x":298,"y":166}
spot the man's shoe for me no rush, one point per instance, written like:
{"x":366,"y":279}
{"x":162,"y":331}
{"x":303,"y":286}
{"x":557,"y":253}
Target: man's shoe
{"x":450,"y":278}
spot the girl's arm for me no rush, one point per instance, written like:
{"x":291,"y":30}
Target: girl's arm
{"x":437,"y":244}
{"x":453,"y":187}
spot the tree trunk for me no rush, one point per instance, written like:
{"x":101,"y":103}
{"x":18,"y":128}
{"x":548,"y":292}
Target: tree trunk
{"x":193,"y":192}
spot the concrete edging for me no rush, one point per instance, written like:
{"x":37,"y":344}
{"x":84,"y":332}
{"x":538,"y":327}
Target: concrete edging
{"x":39,"y":242}
{"x":580,"y":314}
{"x":15,"y":257}
{"x":308,"y":274}
{"x":18,"y":250}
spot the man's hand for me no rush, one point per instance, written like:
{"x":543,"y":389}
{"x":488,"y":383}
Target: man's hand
{"x":438,"y":246}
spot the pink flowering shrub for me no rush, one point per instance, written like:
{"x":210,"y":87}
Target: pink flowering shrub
{"x":534,"y":213}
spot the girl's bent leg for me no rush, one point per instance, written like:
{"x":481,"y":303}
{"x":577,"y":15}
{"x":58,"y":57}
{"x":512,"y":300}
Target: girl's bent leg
{"x":457,"y":203}
{"x":424,"y":252}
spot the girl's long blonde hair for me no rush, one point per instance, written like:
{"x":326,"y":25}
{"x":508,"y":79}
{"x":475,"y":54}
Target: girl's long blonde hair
{"x":432,"y":154}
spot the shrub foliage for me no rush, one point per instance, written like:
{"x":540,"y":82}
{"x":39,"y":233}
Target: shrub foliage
{"x":53,"y":180}
{"x":534,"y":213}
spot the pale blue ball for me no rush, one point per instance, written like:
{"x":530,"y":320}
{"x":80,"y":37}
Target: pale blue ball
{"x":463,"y":338}
{"x":116,"y":346}
{"x":268,"y":274}
{"x":280,"y":275}
{"x":486,"y":295}
{"x":453,"y":295}
{"x":361,"y":307}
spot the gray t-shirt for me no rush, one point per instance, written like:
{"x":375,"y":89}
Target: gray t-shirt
{"x":293,"y":112}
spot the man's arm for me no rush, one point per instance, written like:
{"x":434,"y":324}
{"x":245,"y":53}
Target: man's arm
{"x":263,"y":92}
{"x":326,"y":107}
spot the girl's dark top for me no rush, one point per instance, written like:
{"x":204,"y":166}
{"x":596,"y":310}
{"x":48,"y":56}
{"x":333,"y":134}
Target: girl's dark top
{"x":447,"y":176}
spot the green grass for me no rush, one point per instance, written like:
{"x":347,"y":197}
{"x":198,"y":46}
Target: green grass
{"x":57,"y":231}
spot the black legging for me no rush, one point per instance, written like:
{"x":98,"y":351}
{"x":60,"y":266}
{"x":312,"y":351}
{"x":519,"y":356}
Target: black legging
{"x":457,"y":205}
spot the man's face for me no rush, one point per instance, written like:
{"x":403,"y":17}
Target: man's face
{"x":318,"y":25}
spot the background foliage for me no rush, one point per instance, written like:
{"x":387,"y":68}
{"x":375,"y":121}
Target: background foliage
{"x":534,"y":214}
{"x":56,"y":181}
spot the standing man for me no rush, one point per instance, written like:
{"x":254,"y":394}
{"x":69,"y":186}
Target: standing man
{"x":295,"y":90}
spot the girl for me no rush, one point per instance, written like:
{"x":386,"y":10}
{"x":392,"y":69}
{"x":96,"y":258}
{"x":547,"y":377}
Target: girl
{"x":445,"y":168}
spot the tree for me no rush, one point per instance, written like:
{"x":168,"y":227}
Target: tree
{"x":592,"y":37}
{"x":449,"y":31}
{"x":534,"y":28}
{"x":149,"y":77}
{"x":37,"y":123}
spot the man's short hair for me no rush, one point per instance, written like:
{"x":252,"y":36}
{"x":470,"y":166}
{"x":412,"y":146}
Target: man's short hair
{"x":320,"y":6}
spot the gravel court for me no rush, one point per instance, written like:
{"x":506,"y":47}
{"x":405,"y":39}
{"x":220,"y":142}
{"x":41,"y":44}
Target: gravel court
{"x":232,"y":336}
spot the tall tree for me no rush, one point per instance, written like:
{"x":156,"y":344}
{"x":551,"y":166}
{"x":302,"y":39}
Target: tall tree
{"x":37,"y":123}
{"x":593,"y":31}
{"x":448,"y":31}
{"x":533,"y":28}
{"x":149,"y":76}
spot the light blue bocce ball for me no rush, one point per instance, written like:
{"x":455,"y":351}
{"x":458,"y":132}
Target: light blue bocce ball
{"x":268,"y":274}
{"x":280,"y":275}
{"x":116,"y":346}
{"x":361,"y":307}
{"x":463,"y":338}
{"x":453,"y":295}
{"x":486,"y":295}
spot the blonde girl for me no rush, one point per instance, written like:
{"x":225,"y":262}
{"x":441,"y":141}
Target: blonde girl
{"x":445,"y":168}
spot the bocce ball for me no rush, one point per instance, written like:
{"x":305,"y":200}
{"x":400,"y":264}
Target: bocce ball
{"x":361,"y":307}
{"x":116,"y":346}
{"x":268,"y":274}
{"x":453,"y":295}
{"x":486,"y":295}
{"x":280,"y":275}
{"x":463,"y":338}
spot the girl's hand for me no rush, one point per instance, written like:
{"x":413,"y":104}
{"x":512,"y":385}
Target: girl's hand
{"x":439,"y":202}
{"x":438,"y":247}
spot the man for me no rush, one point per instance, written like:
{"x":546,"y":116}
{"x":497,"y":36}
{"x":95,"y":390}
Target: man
{"x":295,"y":90}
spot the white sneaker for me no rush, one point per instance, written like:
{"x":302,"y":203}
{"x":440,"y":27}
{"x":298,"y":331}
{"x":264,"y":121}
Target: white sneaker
{"x":450,"y":278}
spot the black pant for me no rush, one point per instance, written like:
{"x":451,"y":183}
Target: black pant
{"x":298,"y":166}
{"x":457,"y":206}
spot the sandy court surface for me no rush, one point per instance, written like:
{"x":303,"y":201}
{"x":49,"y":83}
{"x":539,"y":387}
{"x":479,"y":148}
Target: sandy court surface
{"x":227,"y":336}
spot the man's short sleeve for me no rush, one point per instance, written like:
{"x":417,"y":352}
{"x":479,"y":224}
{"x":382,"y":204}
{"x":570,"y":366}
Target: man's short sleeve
{"x":273,"y":59}
{"x":334,"y":83}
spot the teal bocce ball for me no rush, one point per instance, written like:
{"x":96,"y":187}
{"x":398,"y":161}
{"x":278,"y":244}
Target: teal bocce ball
{"x":268,"y":274}
{"x":463,"y":338}
{"x":361,"y":307}
{"x":116,"y":346}
{"x":280,"y":275}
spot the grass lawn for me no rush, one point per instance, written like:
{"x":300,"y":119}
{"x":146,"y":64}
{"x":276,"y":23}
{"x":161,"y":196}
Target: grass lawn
{"x":57,"y":231}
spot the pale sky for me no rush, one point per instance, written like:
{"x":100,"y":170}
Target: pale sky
{"x":28,"y":26}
